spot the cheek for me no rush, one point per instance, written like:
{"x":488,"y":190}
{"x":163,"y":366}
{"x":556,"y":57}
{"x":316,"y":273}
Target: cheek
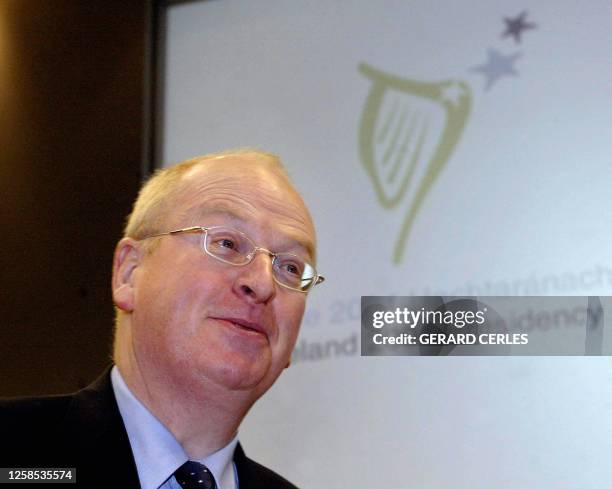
{"x":171,"y":307}
{"x":180,"y":289}
{"x":290,"y":327}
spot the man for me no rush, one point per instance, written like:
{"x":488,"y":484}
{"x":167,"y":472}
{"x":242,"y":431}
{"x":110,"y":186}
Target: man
{"x":210,"y":284}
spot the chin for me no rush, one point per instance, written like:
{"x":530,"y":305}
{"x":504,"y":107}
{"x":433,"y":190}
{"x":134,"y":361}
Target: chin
{"x":241,"y":376}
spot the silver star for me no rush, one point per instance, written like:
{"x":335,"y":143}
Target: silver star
{"x":516,"y":26}
{"x":452,"y":93}
{"x":496,"y":66}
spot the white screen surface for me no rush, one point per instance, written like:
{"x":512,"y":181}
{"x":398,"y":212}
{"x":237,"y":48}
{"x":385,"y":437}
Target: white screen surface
{"x":519,"y":204}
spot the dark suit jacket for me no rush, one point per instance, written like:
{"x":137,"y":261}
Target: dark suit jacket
{"x":85,"y":430}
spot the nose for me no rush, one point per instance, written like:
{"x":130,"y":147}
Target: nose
{"x":255,"y":282}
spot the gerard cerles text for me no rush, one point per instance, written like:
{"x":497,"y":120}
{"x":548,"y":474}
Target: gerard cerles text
{"x":434,"y":325}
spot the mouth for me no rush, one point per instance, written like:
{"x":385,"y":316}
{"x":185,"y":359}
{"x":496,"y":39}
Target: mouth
{"x":244,"y":326}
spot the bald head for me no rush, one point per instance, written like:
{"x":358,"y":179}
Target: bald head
{"x":159,"y":194}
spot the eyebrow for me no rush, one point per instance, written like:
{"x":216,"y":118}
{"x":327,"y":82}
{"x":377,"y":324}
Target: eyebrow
{"x":237,"y":218}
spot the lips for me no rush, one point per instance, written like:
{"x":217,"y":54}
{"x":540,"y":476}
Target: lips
{"x":244,"y":325}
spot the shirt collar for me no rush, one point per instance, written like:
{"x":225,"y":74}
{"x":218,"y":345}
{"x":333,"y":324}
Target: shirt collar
{"x":156,"y":452}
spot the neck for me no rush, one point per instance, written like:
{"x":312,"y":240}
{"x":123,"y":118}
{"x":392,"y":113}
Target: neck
{"x":203,"y":418}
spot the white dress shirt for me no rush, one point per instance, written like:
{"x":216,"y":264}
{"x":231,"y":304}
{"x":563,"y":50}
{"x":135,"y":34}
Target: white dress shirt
{"x":156,"y":452}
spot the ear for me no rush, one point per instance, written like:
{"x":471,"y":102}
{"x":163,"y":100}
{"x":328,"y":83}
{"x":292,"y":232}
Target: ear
{"x":126,"y":260}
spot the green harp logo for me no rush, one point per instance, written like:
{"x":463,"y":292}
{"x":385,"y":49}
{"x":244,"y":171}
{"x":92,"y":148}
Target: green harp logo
{"x":407,"y":133}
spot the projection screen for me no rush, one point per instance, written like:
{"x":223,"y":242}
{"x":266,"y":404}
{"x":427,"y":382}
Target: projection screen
{"x":444,"y":148}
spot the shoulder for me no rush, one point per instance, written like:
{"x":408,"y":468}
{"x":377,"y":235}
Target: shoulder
{"x":64,"y":427}
{"x":38,"y":417}
{"x":29,"y":425}
{"x":73,"y":430}
{"x":252,"y":475}
{"x":32,"y":417}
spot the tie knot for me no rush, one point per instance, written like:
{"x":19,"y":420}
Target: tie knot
{"x":194,"y":475}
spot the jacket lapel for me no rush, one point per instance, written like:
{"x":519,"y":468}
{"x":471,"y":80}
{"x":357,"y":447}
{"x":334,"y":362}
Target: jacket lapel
{"x":101,"y":443}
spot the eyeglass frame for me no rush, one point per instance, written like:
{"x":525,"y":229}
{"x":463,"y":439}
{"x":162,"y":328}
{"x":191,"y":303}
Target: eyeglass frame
{"x":317,"y":279}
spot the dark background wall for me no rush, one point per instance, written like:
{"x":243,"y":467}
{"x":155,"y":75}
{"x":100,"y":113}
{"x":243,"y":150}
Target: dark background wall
{"x":72,"y":106}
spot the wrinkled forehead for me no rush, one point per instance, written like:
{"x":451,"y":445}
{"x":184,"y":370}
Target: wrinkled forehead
{"x":248,"y":191}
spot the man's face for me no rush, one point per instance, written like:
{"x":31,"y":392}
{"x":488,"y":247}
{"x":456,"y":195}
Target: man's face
{"x":197,"y":321}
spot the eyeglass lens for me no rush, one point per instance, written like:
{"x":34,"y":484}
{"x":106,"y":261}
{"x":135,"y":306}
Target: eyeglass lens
{"x":232,"y":246}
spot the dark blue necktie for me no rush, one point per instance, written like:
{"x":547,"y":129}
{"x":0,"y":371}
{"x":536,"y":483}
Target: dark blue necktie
{"x":194,"y":475}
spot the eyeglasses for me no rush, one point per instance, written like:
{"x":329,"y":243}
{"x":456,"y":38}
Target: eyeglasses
{"x":236,"y":248}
